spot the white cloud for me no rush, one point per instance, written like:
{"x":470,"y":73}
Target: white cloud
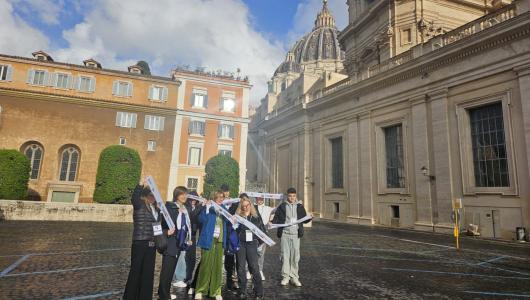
{"x":17,"y":36}
{"x":217,"y":34}
{"x":306,"y":13}
{"x":47,"y":10}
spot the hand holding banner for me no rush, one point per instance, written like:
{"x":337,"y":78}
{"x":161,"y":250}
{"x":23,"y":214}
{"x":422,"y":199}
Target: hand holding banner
{"x":308,"y":217}
{"x":160,"y":202}
{"x":265,"y":195}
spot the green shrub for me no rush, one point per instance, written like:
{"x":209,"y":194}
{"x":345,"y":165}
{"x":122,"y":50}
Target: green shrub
{"x":221,"y":169}
{"x":119,"y":171}
{"x":14,"y":174}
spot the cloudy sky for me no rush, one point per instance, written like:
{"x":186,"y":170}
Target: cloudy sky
{"x":253,"y":35}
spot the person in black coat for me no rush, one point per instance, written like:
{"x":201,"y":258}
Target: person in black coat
{"x":176,"y":242}
{"x":143,"y":253}
{"x":248,"y":251}
{"x":193,"y":208}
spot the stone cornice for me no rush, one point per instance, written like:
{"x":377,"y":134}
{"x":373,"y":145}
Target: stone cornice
{"x":99,"y":103}
{"x":523,"y":70}
{"x":188,"y":113}
{"x":438,"y":58}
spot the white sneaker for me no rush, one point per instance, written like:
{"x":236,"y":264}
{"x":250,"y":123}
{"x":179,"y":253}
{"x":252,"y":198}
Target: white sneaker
{"x":190,"y":291}
{"x":198,"y":296}
{"x":285,"y":281}
{"x":173,"y":297}
{"x":218,"y":297}
{"x":180,"y":284}
{"x":248,"y":275}
{"x":296,"y":282}
{"x":262,"y":276}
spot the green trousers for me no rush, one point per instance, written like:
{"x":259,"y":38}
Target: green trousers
{"x":210,"y":277}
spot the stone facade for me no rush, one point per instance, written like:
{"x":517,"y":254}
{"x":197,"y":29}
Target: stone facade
{"x":400,"y":139}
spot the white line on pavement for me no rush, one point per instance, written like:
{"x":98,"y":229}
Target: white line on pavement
{"x":14,"y":265}
{"x":456,"y":273}
{"x":104,"y":294}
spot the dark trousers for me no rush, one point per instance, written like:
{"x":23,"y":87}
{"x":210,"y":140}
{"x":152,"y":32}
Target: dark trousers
{"x":169,"y":263}
{"x":230,"y":262}
{"x":191,"y":257}
{"x":139,"y":284}
{"x":248,"y":254}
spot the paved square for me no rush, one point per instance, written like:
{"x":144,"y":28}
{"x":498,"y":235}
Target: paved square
{"x":75,"y":260}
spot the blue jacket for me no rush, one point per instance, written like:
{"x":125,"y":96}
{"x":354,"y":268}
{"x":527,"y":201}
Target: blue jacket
{"x":207,"y":221}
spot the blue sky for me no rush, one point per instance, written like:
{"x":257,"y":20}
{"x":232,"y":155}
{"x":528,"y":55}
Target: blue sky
{"x":253,"y":35}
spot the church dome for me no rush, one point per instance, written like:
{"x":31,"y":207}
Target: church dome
{"x":320,"y":44}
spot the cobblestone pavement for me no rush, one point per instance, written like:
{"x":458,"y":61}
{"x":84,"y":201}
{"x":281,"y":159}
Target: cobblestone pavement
{"x":74,"y":260}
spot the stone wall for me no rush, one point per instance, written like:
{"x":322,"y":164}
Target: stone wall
{"x":56,"y":211}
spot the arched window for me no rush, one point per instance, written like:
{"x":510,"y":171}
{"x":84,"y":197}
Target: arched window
{"x":69,"y":163}
{"x":34,"y":152}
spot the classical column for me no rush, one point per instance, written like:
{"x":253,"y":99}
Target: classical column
{"x":243,"y":156}
{"x":366,"y":169}
{"x":174,"y":164}
{"x":353,"y":161}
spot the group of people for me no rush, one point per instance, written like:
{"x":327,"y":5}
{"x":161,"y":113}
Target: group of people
{"x":224,"y":238}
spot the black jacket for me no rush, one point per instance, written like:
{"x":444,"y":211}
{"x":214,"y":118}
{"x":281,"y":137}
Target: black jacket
{"x":242,"y":228}
{"x":194,"y":218}
{"x":142,"y":217}
{"x":280,"y":215}
{"x":172,"y":247}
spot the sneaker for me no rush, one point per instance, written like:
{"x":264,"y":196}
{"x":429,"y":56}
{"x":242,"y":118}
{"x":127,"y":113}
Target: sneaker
{"x":173,"y":297}
{"x":262,"y":276}
{"x":198,"y":296}
{"x":296,"y":282}
{"x":190,"y":291}
{"x":248,"y":275}
{"x":285,"y":281}
{"x":218,"y":297}
{"x":180,"y":284}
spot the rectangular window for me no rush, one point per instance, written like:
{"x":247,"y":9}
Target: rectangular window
{"x":395,"y":171}
{"x":62,"y":80}
{"x":122,"y":88}
{"x":194,"y":156}
{"x":196,"y":127}
{"x":3,"y":72}
{"x":125,"y":119}
{"x":406,"y":36}
{"x":199,"y":98}
{"x":490,"y":161}
{"x":228,"y":105}
{"x":86,"y":84}
{"x":123,"y":140}
{"x":337,"y":181}
{"x":225,"y":131}
{"x":158,"y":93}
{"x":154,"y":123}
{"x":226,"y":152}
{"x":39,"y":77}
{"x":192,"y":184}
{"x":151,"y":146}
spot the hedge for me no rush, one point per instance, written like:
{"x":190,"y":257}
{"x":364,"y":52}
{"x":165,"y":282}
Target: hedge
{"x":221,"y":169}
{"x":119,"y":171}
{"x":14,"y":174}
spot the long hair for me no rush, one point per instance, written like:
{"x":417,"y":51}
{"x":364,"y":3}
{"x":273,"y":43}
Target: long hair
{"x":244,"y":198}
{"x":144,"y":194}
{"x":179,"y":190}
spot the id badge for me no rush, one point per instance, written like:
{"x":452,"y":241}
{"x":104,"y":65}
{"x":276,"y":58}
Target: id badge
{"x":217,"y":231}
{"x":157,"y":229}
{"x":248,"y":236}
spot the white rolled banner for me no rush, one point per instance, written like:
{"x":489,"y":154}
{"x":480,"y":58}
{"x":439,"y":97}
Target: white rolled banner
{"x":231,"y":201}
{"x":265,"y":195}
{"x":308,"y":217}
{"x":260,"y":234}
{"x":160,"y":202}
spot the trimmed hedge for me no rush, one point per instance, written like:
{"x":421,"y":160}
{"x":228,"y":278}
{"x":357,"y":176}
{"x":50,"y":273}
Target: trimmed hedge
{"x":119,"y":172}
{"x":221,"y":169}
{"x":14,"y":174}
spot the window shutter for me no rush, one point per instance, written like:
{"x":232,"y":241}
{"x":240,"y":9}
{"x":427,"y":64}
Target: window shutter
{"x":133,"y":121}
{"x":162,"y":120}
{"x":115,"y":87}
{"x":92,"y":87}
{"x":73,"y":82}
{"x":9,"y":75}
{"x":221,"y":104}
{"x":78,"y":83}
{"x":151,"y":90}
{"x":46,"y":78}
{"x":118,"y":118}
{"x":69,"y":81}
{"x":54,"y":78}
{"x":31,"y":75}
{"x":231,"y":131}
{"x":219,"y":130}
{"x":201,"y":126}
{"x":129,"y":90}
{"x":205,"y":101}
{"x":189,"y":127}
{"x":164,"y":93}
{"x":192,"y":98}
{"x":147,"y":121}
